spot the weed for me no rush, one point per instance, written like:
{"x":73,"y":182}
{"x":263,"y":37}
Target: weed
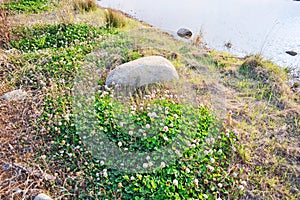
{"x":4,"y":29}
{"x":84,"y":5}
{"x":113,"y":19}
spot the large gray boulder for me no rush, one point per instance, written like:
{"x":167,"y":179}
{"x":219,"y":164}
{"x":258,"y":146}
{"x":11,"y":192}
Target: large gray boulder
{"x":142,"y":72}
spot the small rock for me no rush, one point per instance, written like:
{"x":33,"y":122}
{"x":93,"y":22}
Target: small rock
{"x":184,"y":33}
{"x":292,"y":53}
{"x":296,"y":84}
{"x":42,"y":197}
{"x":14,"y":95}
{"x":49,"y":177}
{"x":142,"y":72}
{"x":6,"y":166}
{"x":17,"y":190}
{"x":228,"y":45}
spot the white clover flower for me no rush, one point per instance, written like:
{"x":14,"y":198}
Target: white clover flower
{"x":244,"y":183}
{"x":148,"y":158}
{"x":163,"y":164}
{"x":121,"y":124}
{"x":166,"y":138}
{"x":166,"y":129}
{"x":150,"y":164}
{"x":147,"y":126}
{"x":187,"y":170}
{"x":220,"y":151}
{"x":144,"y":134}
{"x":105,"y":174}
{"x":233,"y":148}
{"x":145,"y":165}
{"x":132,"y":178}
{"x":219,"y":198}
{"x":171,"y":125}
{"x":220,"y":185}
{"x":227,"y":133}
{"x":205,"y":196}
{"x":166,"y":112}
{"x":196,"y":181}
{"x":119,"y":144}
{"x":206,"y":152}
{"x":175,"y":182}
{"x":236,"y":132}
{"x":211,"y":168}
{"x":130,"y":133}
{"x":175,"y":116}
{"x":241,"y":187}
{"x":212,"y":160}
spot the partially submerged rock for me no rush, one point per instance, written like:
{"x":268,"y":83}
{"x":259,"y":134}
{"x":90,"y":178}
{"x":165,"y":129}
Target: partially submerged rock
{"x":142,"y":72}
{"x":184,"y":33}
{"x":15,"y":95}
{"x":292,"y":53}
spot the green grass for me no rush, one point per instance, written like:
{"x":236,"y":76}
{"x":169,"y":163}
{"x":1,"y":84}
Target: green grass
{"x":28,"y":6}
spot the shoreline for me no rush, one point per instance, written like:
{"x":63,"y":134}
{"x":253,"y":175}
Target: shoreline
{"x":294,"y":73}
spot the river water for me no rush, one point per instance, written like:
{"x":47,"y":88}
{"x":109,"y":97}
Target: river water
{"x":268,"y":27}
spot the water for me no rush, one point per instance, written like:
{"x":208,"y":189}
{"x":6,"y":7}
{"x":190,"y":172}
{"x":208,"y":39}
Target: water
{"x":269,"y":27}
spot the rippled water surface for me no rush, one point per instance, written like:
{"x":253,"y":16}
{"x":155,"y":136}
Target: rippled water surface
{"x":270,"y":27}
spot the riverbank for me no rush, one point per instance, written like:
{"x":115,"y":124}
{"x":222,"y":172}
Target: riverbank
{"x":42,"y":152}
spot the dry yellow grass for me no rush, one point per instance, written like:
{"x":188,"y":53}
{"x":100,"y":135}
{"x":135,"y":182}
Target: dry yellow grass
{"x":4,"y":29}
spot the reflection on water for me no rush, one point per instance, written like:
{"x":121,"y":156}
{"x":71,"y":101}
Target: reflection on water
{"x":270,"y":27}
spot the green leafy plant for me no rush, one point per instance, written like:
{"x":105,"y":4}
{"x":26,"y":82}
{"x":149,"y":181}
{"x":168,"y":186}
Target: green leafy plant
{"x":28,"y":6}
{"x":55,"y":36}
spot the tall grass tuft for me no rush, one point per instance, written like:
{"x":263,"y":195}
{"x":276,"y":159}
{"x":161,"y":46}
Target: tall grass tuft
{"x":113,"y":19}
{"x":4,"y":29}
{"x":84,"y":5}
